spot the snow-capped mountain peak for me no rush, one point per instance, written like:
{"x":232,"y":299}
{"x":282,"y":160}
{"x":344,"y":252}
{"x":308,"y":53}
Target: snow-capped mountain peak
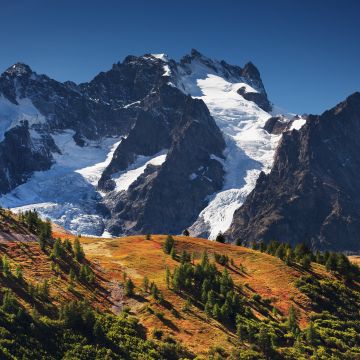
{"x":118,"y":125}
{"x":19,"y":69}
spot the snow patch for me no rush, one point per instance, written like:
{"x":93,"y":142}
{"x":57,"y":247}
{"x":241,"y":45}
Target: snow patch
{"x":11,"y":114}
{"x":124,"y":179}
{"x":297,"y":124}
{"x":162,"y":57}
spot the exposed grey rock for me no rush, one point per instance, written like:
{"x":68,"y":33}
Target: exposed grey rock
{"x":167,"y":199}
{"x":312,"y":192}
{"x":276,"y":125}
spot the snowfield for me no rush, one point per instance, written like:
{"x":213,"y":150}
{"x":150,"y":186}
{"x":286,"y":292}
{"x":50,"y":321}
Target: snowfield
{"x":12,"y":114}
{"x":125,"y":178}
{"x":249,"y":148}
{"x":67,"y":192}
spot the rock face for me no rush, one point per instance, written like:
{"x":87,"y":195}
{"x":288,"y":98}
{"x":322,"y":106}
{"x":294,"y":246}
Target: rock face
{"x":167,"y":198}
{"x":20,"y":156}
{"x":276,"y":125}
{"x":312,"y":191}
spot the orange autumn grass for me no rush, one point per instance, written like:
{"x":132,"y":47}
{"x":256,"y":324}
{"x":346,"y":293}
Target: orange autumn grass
{"x":138,"y":257}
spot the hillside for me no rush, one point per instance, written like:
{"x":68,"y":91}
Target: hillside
{"x":264,"y":281}
{"x":140,"y":297}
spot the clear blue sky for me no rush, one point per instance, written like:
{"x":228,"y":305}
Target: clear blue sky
{"x":308,"y":52}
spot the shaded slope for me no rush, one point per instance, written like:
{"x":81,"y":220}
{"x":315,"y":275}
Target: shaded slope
{"x":312,"y":192}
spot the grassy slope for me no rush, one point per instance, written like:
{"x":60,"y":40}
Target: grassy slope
{"x":139,"y":257}
{"x":22,"y":250}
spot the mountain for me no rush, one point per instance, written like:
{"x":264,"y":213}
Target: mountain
{"x":152,"y":145}
{"x":312,"y":191}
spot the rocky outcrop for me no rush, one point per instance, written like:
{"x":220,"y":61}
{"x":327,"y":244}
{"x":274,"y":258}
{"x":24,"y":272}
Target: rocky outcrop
{"x":167,"y":199}
{"x":20,"y":156}
{"x":276,"y":125}
{"x":312,"y":192}
{"x":258,"y":98}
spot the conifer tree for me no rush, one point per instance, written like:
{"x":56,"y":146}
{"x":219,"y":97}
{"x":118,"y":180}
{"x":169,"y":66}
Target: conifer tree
{"x":169,"y":244}
{"x":264,"y":340}
{"x":5,"y":266}
{"x":145,"y":284}
{"x":129,"y":287}
{"x":78,"y":250}
{"x":19,"y":273}
{"x":311,"y":334}
{"x":216,"y":313}
{"x":220,"y":238}
{"x":173,"y":253}
{"x":292,"y":320}
{"x":167,"y":277}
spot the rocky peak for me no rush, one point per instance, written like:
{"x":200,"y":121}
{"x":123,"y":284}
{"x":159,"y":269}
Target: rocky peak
{"x":19,"y":69}
{"x":312,"y":191}
{"x":250,"y":71}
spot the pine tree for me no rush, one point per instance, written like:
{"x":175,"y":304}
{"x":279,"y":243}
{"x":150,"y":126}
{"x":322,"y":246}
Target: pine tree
{"x":289,"y":256}
{"x":68,"y":246}
{"x":129,"y":287}
{"x":301,"y":250}
{"x":208,"y":309}
{"x":148,"y":237}
{"x":44,"y":290}
{"x":98,"y":331}
{"x":154,"y":291}
{"x":5,"y":266}
{"x":216,"y":313}
{"x":91,"y":278}
{"x":173,"y":253}
{"x":167,"y":276}
{"x":169,"y":244}
{"x":42,"y":241}
{"x":331,"y":263}
{"x":185,"y":257}
{"x":19,"y":273}
{"x":193,"y":257}
{"x":220,"y":238}
{"x":311,"y":334}
{"x":305,"y":262}
{"x":9,"y":302}
{"x":204,"y":259}
{"x":211,"y":298}
{"x":78,"y":250}
{"x":57,"y":249}
{"x":225,"y":311}
{"x":292,"y":320}
{"x":262,"y":246}
{"x":280,"y":252}
{"x":264,"y":340}
{"x":145,"y":284}
{"x":72,"y":276}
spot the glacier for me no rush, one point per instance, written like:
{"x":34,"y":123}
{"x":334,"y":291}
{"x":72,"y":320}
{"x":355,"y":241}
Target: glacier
{"x":249,"y":148}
